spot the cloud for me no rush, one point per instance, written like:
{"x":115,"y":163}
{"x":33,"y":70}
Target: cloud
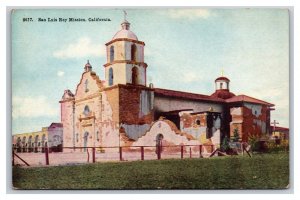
{"x":189,"y":77}
{"x":60,"y":73}
{"x":32,"y":107}
{"x":82,"y":48}
{"x":190,"y":14}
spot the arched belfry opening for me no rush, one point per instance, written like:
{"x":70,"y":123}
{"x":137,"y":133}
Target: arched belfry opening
{"x":135,"y":76}
{"x":110,"y":77}
{"x":133,"y":52}
{"x":112,"y":53}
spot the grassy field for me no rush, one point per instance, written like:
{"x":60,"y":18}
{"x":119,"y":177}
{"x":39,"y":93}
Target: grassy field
{"x":262,"y":171}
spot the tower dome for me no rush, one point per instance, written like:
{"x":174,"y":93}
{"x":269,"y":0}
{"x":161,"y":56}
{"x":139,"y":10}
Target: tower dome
{"x":222,"y":88}
{"x":125,"y":32}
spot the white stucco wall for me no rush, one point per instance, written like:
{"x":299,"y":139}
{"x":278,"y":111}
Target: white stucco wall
{"x":166,"y":104}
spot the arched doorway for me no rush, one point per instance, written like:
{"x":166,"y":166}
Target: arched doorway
{"x":23,"y":144}
{"x":29,"y":144}
{"x":135,"y":76}
{"x":85,"y":140}
{"x":57,"y":143}
{"x":36,"y":140}
{"x":18,"y":144}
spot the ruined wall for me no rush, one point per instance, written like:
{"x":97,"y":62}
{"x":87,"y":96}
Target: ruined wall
{"x":136,"y":110}
{"x":55,"y":135}
{"x":237,"y":121}
{"x":171,"y":135}
{"x":136,"y":105}
{"x":196,"y":125}
{"x":250,"y":119}
{"x":255,"y":118}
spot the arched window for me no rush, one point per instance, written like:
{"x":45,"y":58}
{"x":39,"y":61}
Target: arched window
{"x":19,"y":142}
{"x":135,"y":76}
{"x":133,"y":52}
{"x":29,"y":140}
{"x":198,"y":122}
{"x":86,"y":110}
{"x":36,"y":139}
{"x":112,"y":53}
{"x":110,"y":77}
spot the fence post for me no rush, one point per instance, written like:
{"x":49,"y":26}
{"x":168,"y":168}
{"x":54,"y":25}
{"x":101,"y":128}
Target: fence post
{"x":181,"y":152}
{"x":142,"y":153}
{"x":190,"y":152}
{"x":200,"y":151}
{"x":159,"y":152}
{"x":88,"y":154}
{"x":94,"y":155}
{"x":120,"y":151}
{"x":47,"y":154}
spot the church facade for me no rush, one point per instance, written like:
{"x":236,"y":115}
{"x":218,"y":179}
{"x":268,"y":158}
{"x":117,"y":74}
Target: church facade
{"x":124,"y":110}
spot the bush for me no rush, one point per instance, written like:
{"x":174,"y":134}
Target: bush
{"x":267,"y":145}
{"x":274,"y":147}
{"x":236,"y":135}
{"x":225,"y":144}
{"x":254,"y":142}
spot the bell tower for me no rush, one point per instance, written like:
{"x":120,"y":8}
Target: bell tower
{"x":125,"y":58}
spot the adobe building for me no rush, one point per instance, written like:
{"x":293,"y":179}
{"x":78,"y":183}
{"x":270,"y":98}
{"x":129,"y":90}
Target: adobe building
{"x":35,"y":141}
{"x":124,"y":110}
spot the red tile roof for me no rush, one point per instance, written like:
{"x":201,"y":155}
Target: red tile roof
{"x":245,"y":98}
{"x":223,"y":94}
{"x":56,"y":124}
{"x":278,"y":128}
{"x":222,"y":78}
{"x":185,"y":95}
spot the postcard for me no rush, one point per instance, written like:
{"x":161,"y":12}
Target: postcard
{"x":165,"y":98}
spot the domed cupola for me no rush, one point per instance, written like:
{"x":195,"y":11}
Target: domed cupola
{"x":88,"y":67}
{"x":125,"y":32}
{"x":222,"y":88}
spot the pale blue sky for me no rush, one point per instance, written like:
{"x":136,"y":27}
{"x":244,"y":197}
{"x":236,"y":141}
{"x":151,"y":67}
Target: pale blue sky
{"x":185,"y":50}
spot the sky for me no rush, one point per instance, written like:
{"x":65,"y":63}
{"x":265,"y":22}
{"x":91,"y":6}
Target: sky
{"x":186,"y":50}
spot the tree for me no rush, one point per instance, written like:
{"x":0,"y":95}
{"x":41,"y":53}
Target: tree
{"x":225,"y":144}
{"x":236,"y":135}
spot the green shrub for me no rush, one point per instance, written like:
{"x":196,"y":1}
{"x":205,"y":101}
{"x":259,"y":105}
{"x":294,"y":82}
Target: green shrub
{"x":236,"y":135}
{"x":255,"y":143}
{"x":225,"y":144}
{"x":273,"y":147}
